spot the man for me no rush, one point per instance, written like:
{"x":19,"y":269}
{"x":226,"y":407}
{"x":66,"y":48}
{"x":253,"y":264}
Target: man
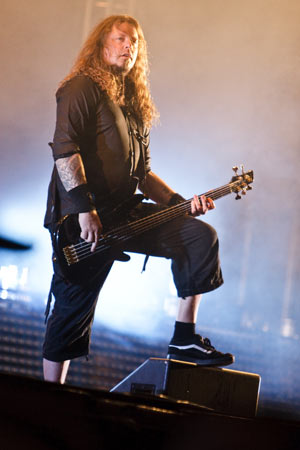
{"x":100,"y":148}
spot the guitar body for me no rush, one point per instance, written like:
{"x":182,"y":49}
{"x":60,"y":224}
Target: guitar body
{"x":66,"y":235}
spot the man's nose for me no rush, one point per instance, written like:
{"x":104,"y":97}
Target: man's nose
{"x":128,"y":43}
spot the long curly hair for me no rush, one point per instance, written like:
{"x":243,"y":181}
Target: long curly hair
{"x":135,"y":94}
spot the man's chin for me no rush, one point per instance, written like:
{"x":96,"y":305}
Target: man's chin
{"x":123,"y":69}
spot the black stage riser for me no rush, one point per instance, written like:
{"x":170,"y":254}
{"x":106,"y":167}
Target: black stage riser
{"x":221,"y":390}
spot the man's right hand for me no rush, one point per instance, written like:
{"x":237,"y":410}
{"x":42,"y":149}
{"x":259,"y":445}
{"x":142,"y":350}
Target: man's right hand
{"x":91,"y":227}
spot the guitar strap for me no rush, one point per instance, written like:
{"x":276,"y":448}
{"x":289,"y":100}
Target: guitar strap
{"x":142,"y":137}
{"x":141,"y":134}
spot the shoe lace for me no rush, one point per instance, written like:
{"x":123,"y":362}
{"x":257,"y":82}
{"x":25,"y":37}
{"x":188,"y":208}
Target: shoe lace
{"x":207,"y":342}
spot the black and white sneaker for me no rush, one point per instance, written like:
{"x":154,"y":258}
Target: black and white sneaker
{"x":198,"y":350}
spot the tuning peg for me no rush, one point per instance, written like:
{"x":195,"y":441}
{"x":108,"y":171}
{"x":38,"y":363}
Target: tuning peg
{"x":249,"y":188}
{"x":238,"y":197}
{"x":235,"y":169}
{"x":242,"y":169}
{"x":244,"y":191}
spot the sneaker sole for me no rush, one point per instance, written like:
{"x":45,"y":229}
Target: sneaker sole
{"x":201,"y":362}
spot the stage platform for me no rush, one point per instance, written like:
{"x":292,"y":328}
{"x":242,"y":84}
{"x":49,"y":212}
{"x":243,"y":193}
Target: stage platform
{"x":39,"y":415}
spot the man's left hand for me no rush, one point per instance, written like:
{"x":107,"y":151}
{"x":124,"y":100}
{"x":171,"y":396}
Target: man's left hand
{"x":201,"y":206}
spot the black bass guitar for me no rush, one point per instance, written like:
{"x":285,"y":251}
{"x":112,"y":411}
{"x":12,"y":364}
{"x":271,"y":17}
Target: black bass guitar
{"x":74,"y":255}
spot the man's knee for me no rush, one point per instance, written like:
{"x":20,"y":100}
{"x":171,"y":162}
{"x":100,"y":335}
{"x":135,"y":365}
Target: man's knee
{"x":206,"y":234}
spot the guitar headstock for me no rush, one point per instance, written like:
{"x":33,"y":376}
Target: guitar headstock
{"x":240,"y":183}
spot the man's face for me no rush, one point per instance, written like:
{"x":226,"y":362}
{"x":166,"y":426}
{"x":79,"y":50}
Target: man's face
{"x":121,"y":47}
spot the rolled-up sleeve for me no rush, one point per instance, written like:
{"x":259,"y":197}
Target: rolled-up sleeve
{"x":76,"y":104}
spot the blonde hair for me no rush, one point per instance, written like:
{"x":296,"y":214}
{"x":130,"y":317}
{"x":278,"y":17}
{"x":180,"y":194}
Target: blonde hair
{"x":136,"y":95}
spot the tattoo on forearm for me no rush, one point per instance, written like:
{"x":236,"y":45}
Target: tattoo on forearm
{"x":71,"y":171}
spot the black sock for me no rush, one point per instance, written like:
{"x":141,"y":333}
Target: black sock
{"x":184,"y":330}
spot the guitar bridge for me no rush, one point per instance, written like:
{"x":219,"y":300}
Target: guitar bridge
{"x":70,"y":255}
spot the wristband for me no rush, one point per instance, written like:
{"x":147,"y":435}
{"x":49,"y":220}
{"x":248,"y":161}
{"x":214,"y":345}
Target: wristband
{"x":82,"y":198}
{"x":175,"y":200}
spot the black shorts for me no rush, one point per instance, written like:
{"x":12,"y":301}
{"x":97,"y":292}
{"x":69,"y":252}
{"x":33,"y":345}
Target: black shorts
{"x":190,"y":243}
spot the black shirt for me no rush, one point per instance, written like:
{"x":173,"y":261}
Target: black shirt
{"x":113,"y":147}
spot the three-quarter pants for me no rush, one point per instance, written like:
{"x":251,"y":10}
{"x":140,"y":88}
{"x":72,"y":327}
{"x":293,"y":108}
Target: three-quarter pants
{"x":191,"y":244}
